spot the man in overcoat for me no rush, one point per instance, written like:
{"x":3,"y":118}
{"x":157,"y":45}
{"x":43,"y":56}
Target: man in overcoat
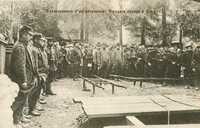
{"x":23,"y":72}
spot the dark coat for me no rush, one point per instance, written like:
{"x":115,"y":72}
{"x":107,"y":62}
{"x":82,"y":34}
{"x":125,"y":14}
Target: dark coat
{"x":23,"y":68}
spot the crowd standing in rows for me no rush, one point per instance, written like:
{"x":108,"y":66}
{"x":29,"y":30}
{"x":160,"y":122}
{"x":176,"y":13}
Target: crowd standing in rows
{"x":37,"y":61}
{"x":173,"y":61}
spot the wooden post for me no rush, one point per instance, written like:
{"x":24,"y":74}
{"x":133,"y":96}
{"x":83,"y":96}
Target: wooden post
{"x":143,"y":27}
{"x":84,"y":85}
{"x":121,"y":25}
{"x":134,"y":83}
{"x":181,"y":35}
{"x":93,"y":89}
{"x":164,"y":27}
{"x":113,"y":89}
{"x":11,"y":23}
{"x":140,"y":84}
{"x":82,"y":33}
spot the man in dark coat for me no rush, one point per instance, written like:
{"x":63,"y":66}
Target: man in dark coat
{"x":172,"y":66}
{"x":42,"y":74}
{"x":186,"y":63}
{"x":23,"y":72}
{"x":75,"y":60}
{"x":52,"y":66}
{"x":196,"y":67}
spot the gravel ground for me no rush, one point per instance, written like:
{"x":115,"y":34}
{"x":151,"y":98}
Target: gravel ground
{"x":61,"y":112}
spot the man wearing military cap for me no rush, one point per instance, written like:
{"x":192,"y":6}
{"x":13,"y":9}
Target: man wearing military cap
{"x":23,"y":72}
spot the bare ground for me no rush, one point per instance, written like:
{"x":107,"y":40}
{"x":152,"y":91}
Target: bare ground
{"x":61,"y":112}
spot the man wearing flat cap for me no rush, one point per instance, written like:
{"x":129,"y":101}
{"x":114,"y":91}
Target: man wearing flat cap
{"x":23,"y":72}
{"x":37,"y":59}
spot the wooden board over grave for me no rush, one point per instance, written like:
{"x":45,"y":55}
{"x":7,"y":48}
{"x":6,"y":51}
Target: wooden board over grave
{"x":160,"y":126}
{"x":100,"y":107}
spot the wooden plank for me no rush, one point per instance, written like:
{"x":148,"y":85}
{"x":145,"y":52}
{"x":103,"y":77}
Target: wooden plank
{"x":146,"y":78}
{"x":121,"y":106}
{"x":94,"y":84}
{"x":132,"y":120}
{"x":160,"y":126}
{"x":120,"y":127}
{"x":121,"y":110}
{"x":130,"y":99}
{"x":174,"y":126}
{"x":121,"y":99}
{"x":111,"y":82}
{"x":184,"y":100}
{"x":135,"y":109}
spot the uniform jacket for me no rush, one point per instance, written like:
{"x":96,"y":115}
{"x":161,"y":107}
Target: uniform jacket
{"x":97,"y":57}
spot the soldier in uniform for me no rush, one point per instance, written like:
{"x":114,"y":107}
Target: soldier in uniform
{"x":172,"y":69}
{"x":186,"y":61}
{"x":126,"y":62}
{"x":132,"y":61}
{"x":161,"y":62}
{"x":118,"y":60}
{"x":23,"y":72}
{"x":104,"y":67}
{"x":52,"y":66}
{"x":66,"y":61}
{"x":87,"y":62}
{"x":150,"y":66}
{"x":43,"y":68}
{"x":140,"y":62}
{"x":196,"y":67}
{"x":75,"y":60}
{"x":97,"y":59}
{"x":61,"y":60}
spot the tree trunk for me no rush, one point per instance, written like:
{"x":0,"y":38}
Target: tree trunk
{"x":164,"y":27}
{"x":143,"y":32}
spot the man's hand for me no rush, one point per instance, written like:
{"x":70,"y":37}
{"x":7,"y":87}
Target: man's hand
{"x":24,"y":86}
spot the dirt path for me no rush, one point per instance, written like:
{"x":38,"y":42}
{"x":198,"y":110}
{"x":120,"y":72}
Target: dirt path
{"x":61,"y":112}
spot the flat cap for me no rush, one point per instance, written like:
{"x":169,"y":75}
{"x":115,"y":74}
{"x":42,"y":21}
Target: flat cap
{"x":37,"y":36}
{"x":25,"y":29}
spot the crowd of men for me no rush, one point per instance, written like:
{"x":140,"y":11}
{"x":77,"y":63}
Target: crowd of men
{"x":173,"y":61}
{"x":32,"y":68}
{"x":37,"y":61}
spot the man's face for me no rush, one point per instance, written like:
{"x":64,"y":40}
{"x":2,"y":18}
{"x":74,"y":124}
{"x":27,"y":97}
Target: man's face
{"x":27,"y":37}
{"x":41,"y":42}
{"x":189,"y":48}
{"x":198,"y":49}
{"x":50,"y":43}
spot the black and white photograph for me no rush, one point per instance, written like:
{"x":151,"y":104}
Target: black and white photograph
{"x":99,"y":63}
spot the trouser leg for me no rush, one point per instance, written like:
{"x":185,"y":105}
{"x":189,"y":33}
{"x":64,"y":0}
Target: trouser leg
{"x":18,"y":106}
{"x":34,"y":97}
{"x":48,"y":83}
